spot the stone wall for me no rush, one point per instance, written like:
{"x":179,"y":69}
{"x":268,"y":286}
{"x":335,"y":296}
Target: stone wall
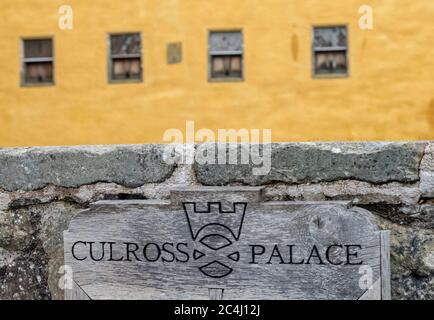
{"x":41,"y":189}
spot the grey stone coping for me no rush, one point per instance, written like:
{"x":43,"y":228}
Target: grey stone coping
{"x":135,"y":165}
{"x":296,"y":163}
{"x":34,"y":168}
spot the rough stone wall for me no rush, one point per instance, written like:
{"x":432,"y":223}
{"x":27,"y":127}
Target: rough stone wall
{"x":41,"y":189}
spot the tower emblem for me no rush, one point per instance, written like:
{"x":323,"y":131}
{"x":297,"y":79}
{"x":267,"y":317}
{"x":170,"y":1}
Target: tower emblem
{"x":215,"y":230}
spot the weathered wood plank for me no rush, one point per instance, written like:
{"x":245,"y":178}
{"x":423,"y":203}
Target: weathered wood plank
{"x":211,"y":246}
{"x":385,"y":265}
{"x":76,"y":293}
{"x":215,"y":294}
{"x":373,"y":293}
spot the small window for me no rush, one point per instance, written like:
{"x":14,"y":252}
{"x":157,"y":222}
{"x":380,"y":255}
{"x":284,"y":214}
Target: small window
{"x":226,"y":55}
{"x":125,"y":57}
{"x":330,"y":50}
{"x":38,"y":62}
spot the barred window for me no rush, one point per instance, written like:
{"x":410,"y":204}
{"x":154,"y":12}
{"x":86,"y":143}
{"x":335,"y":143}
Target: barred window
{"x":125,"y":57}
{"x":38,"y":62}
{"x":330,"y":50}
{"x":226,"y":55}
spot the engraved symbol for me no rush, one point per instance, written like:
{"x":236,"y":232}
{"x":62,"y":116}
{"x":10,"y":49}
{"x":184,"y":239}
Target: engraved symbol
{"x":215,"y":229}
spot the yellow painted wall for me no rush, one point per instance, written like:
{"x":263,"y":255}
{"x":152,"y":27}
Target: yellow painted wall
{"x":389,"y":94}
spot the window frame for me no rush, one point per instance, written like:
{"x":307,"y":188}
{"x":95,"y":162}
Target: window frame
{"x":210,"y":55}
{"x":24,"y":61}
{"x":331,"y":49}
{"x":110,"y":58}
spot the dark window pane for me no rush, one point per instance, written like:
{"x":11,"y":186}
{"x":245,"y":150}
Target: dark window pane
{"x":325,"y":37}
{"x":38,"y":48}
{"x":39,"y":72}
{"x":226,"y":41}
{"x":125,"y":44}
{"x":124,"y":69}
{"x":331,"y":62}
{"x":226,"y":66}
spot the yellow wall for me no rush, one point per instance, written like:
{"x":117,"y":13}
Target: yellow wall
{"x":389,"y":94}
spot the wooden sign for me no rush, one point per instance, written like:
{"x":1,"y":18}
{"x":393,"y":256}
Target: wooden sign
{"x":226,"y":243}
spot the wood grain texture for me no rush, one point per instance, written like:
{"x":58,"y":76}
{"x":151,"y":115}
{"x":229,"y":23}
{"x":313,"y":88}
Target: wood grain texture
{"x":380,"y":290}
{"x":215,"y":294}
{"x":373,"y":293}
{"x":219,"y":238}
{"x":385,"y":265}
{"x":76,"y":293}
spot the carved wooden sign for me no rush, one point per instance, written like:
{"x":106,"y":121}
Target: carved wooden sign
{"x":226,"y":243}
